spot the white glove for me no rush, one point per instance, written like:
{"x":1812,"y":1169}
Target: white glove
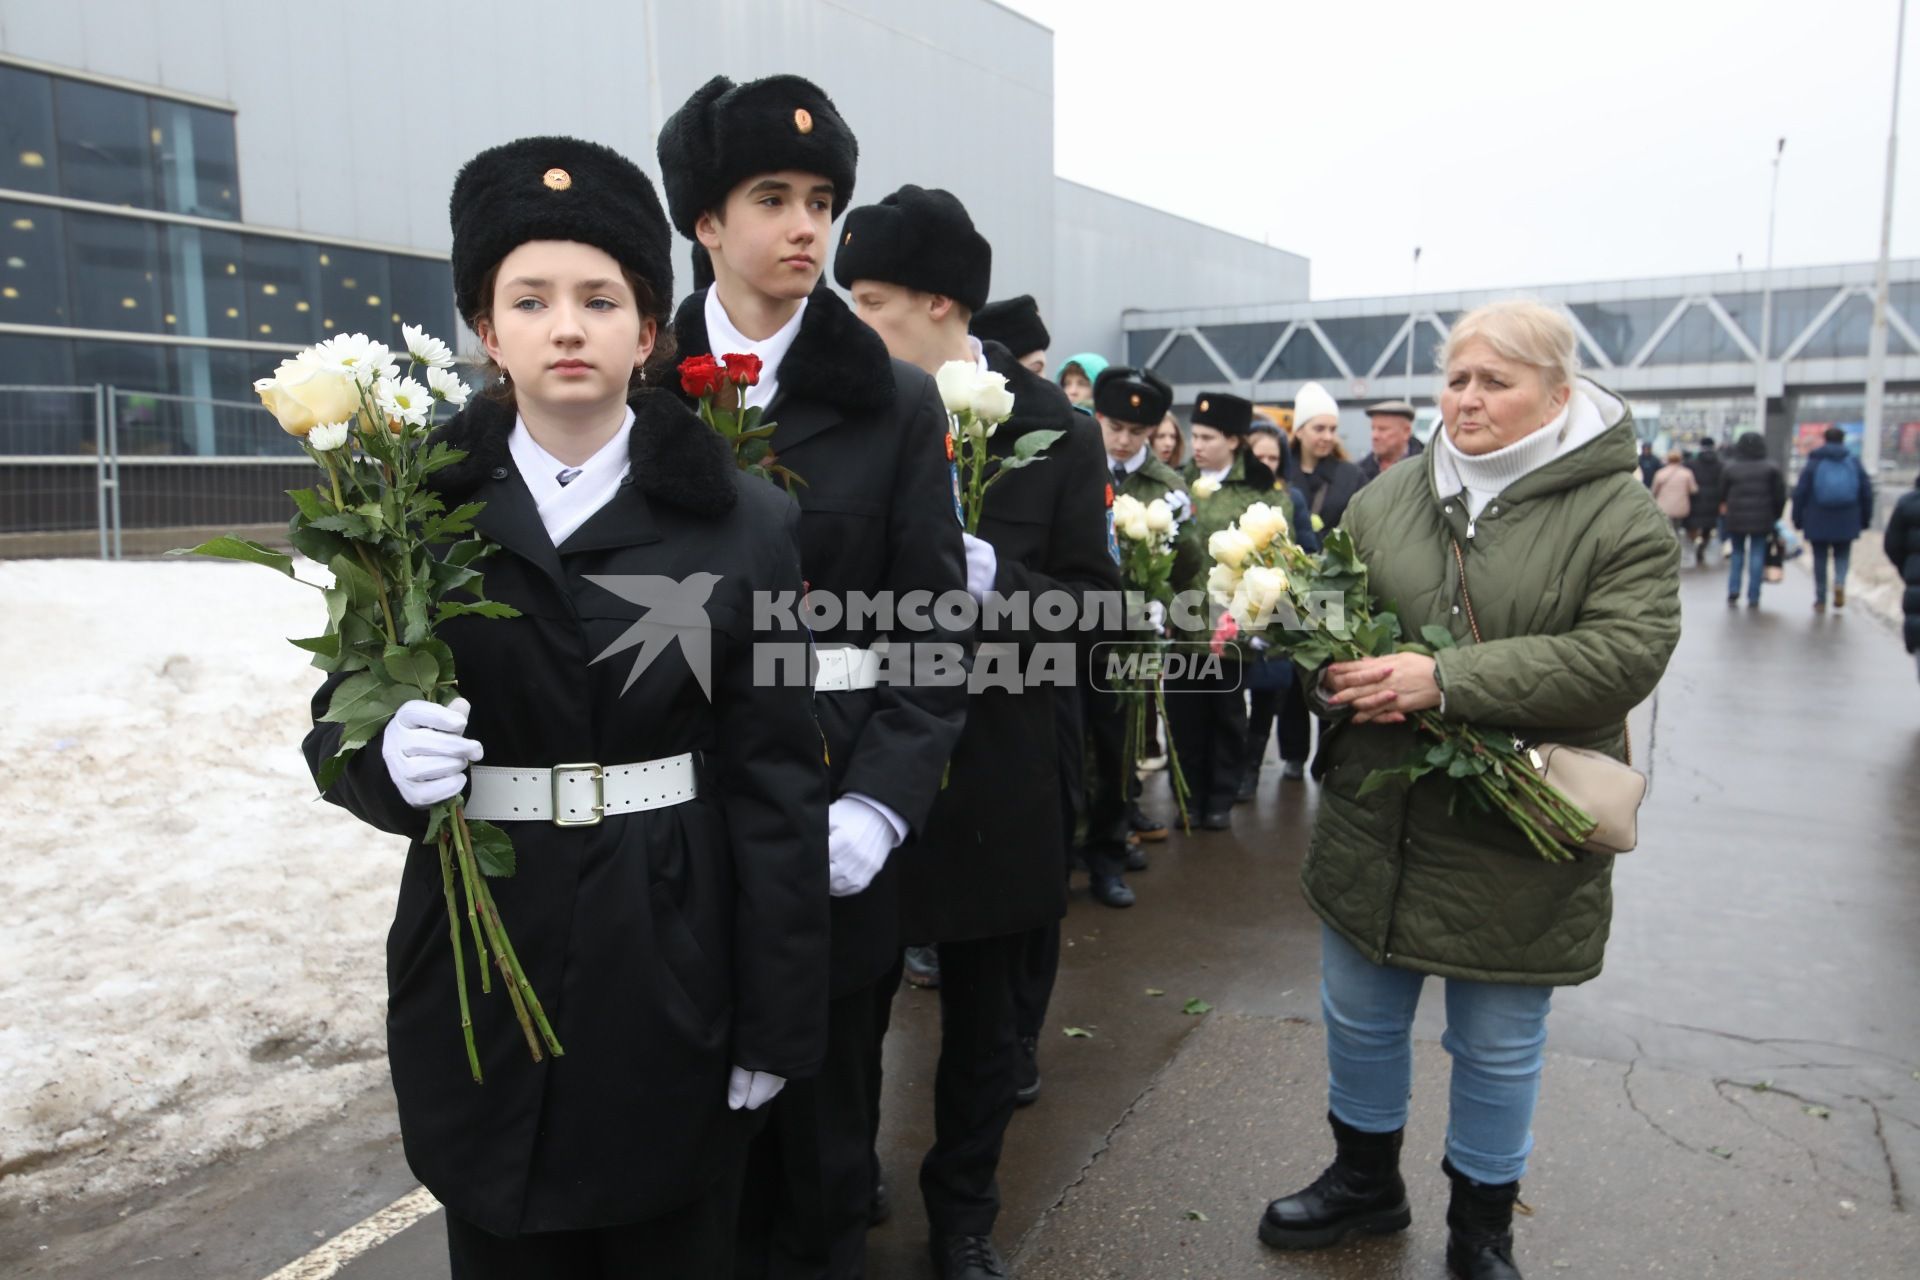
{"x":425,"y":754}
{"x":1259,"y":644}
{"x":859,"y":838}
{"x":752,"y":1089}
{"x":1156,"y":616}
{"x":982,"y":566}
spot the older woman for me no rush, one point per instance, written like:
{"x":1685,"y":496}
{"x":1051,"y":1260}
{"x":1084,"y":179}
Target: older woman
{"x":1526,"y":533}
{"x":1317,"y":464}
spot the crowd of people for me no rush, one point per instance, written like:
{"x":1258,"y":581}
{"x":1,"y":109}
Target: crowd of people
{"x":720,"y":956}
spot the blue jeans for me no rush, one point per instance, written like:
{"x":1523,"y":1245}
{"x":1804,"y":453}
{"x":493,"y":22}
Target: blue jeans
{"x":1496,"y":1035}
{"x":1749,"y":548}
{"x":1842,"y":553}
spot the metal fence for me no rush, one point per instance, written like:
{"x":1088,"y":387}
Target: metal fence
{"x":106,"y":471}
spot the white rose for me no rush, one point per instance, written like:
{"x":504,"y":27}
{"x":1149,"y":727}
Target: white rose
{"x":991,"y":402}
{"x":1241,"y":608}
{"x":1230,"y":547}
{"x":956,"y":380}
{"x":1159,"y":516}
{"x":303,"y":395}
{"x":328,"y":435}
{"x":1222,"y":581}
{"x":1204,"y":488}
{"x":1124,"y":505}
{"x":1265,"y":589}
{"x":1261,"y":523}
{"x":1136,"y":529}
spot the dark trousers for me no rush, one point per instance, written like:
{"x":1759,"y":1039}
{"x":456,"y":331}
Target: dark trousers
{"x":974,"y":1084}
{"x":1033,"y":979}
{"x":694,"y":1242}
{"x":810,"y":1173}
{"x":1111,"y":787}
{"x":1263,"y":707}
{"x":1296,"y":724}
{"x":1209,"y":726}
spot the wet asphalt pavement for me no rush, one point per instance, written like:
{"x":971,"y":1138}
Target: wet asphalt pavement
{"x":1762,"y":971}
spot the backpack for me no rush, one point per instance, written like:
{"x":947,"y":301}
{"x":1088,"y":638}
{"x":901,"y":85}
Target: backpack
{"x":1834,"y":484}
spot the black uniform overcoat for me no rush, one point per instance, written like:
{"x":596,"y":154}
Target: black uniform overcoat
{"x":867,"y":433}
{"x":992,"y":861}
{"x":667,"y":945}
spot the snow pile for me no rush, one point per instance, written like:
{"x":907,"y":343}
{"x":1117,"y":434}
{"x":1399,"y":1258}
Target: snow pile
{"x":192,"y":944}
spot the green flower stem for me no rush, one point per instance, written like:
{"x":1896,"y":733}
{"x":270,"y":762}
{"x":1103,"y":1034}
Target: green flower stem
{"x":459,"y":960}
{"x":1177,"y":778}
{"x":379,"y":581}
{"x":521,"y":991}
{"x":473,"y":914}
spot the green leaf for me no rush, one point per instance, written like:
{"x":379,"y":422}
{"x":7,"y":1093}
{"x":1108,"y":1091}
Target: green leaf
{"x":330,"y":770}
{"x":1463,"y":766}
{"x":1030,"y":444}
{"x":346,"y":522}
{"x":465,"y":553}
{"x":1437,"y":636}
{"x":228,"y":547}
{"x":458,"y":520}
{"x":448,"y":577}
{"x":492,"y":849}
{"x":1155,"y":991}
{"x":327,"y":646}
{"x":412,"y":666}
{"x":1440,"y":754}
{"x":1194,"y":1215}
{"x":1077,"y":1033}
{"x":357,"y":582}
{"x":316,"y":545}
{"x":413,"y":615}
{"x":1196,"y":1007}
{"x":1819,"y":1112}
{"x":309,"y":503}
{"x":436,"y":819}
{"x":361,"y":696}
{"x":1722,"y":1152}
{"x":439,"y":456}
{"x":481,"y":609}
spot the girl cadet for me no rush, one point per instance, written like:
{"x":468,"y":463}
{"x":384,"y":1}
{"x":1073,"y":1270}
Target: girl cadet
{"x":676,"y":927}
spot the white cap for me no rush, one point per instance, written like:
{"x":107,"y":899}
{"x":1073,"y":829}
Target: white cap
{"x":1312,"y":401}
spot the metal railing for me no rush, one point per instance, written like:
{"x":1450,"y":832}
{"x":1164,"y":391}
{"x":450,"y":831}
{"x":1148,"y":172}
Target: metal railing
{"x":111,"y":471}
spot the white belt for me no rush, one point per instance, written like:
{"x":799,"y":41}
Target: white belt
{"x":843,"y":669}
{"x":580,"y":795}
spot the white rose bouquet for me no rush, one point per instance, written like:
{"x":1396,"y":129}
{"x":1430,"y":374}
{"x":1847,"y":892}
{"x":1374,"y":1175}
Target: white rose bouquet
{"x":1145,"y":533}
{"x":977,"y":403}
{"x":1317,"y":609}
{"x":401,"y":565}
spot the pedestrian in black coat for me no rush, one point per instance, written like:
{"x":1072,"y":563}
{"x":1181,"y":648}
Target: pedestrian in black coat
{"x":1704,"y":519}
{"x":680,"y":949}
{"x":755,"y":174}
{"x":1902,"y":543}
{"x":1753,"y":495}
{"x":989,"y":873}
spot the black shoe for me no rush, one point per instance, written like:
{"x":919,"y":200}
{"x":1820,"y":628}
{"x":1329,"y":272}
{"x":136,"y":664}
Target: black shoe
{"x":1360,"y":1191}
{"x":1217,"y":820}
{"x":1027,"y":1073}
{"x":1136,"y":855}
{"x":1480,"y":1228}
{"x":880,"y":1208}
{"x":1293,"y":770}
{"x":1733,"y":600}
{"x":923,"y":967}
{"x":1143,"y":827}
{"x":967,"y":1258}
{"x":1249,"y":784}
{"x":1109,"y":890}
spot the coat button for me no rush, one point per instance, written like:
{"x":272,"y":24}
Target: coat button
{"x":1456,"y":608}
{"x":499,"y":473}
{"x":1449,"y":510}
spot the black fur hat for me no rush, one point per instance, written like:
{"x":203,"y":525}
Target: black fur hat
{"x":921,"y":238}
{"x":1014,"y":323}
{"x":726,"y":133}
{"x":1128,"y":395}
{"x":555,"y":189}
{"x":1227,"y":414}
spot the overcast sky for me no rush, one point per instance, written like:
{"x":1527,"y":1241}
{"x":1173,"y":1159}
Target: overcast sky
{"x":1516,"y":141}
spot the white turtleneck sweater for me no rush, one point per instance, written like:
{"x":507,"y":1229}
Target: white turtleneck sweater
{"x":1481,"y":478}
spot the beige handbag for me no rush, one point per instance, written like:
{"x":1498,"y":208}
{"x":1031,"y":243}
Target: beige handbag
{"x":1604,"y":789}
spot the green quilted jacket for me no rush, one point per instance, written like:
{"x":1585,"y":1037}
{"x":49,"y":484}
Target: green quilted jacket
{"x":1574,"y":578}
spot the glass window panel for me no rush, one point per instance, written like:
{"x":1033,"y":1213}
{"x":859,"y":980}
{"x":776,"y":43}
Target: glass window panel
{"x":1744,"y":308}
{"x":1301,"y":358}
{"x":1244,"y":346}
{"x":1186,"y":361}
{"x":136,"y":370}
{"x":42,"y":422}
{"x":1622,"y":328}
{"x":1793,"y":311}
{"x":1141,"y":344}
{"x":423,"y":295}
{"x":114,"y":273}
{"x":33,"y":265}
{"x":283,"y":290}
{"x":355,"y":295}
{"x":1697,"y":337}
{"x":198,"y":169}
{"x":1903,"y":299}
{"x":223,"y":417}
{"x":1426,"y":353}
{"x":206,"y":295}
{"x":1361,"y":339}
{"x":106,"y":144}
{"x":1845,"y":334}
{"x":29,"y":159}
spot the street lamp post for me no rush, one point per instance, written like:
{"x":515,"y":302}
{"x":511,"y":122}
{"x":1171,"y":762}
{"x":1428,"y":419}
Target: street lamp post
{"x":1877,"y":342}
{"x":1413,"y":290}
{"x":1766,"y":302}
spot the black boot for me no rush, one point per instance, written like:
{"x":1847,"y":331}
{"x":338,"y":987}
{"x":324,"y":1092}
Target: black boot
{"x":1360,"y":1191}
{"x":1026,"y":1078}
{"x":1480,"y":1228}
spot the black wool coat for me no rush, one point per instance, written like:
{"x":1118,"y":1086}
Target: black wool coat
{"x":868,"y":435}
{"x":667,"y":946}
{"x":1752,"y":489}
{"x":1708,"y":469}
{"x":1328,"y":488}
{"x":992,"y":861}
{"x":1902,"y":543}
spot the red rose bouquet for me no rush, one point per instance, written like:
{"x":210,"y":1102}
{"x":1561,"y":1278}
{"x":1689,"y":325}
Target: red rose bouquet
{"x":719,"y":386}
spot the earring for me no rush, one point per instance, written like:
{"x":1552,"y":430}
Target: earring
{"x":643,"y":375}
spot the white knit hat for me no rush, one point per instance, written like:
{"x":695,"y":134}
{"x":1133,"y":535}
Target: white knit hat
{"x":1312,"y":401}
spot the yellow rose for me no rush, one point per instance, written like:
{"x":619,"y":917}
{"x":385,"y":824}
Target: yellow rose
{"x":1204,"y":488}
{"x":1230,"y":547}
{"x":1261,"y":523}
{"x":1222,"y":582}
{"x":1264,"y":588}
{"x":302,"y":396}
{"x":1159,"y":516}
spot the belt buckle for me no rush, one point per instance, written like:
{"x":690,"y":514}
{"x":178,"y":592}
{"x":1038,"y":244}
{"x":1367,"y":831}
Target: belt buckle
{"x":599,"y":805}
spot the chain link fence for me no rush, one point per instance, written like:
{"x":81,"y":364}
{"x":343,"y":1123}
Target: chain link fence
{"x":108,"y":472}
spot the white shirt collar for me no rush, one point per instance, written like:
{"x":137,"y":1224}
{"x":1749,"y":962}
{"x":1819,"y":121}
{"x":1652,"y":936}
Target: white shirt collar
{"x":1134,"y":463}
{"x":723,"y":339}
{"x":1216,"y":475}
{"x":979,"y":354}
{"x":564,"y":508}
